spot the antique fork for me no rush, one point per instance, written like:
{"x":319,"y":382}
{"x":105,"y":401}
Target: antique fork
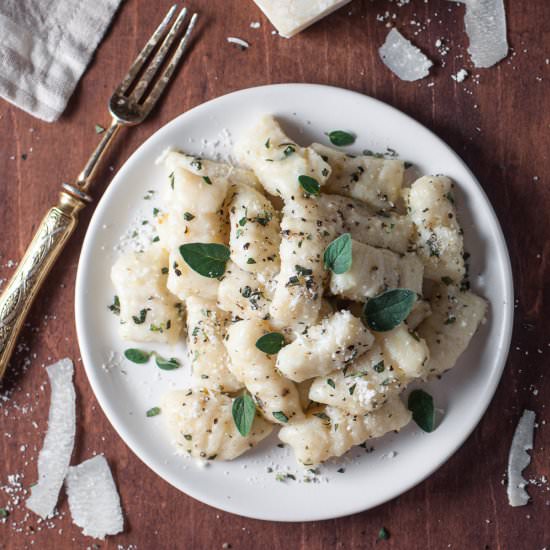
{"x":130,"y":104}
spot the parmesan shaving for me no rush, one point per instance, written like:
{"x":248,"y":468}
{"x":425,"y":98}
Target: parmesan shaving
{"x":239,"y":41}
{"x":485,"y":23}
{"x":519,"y":459}
{"x":54,"y":458}
{"x":402,"y":58}
{"x":93,"y":498}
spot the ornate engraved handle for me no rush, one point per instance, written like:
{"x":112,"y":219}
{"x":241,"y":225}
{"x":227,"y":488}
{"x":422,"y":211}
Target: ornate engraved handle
{"x":49,"y":240}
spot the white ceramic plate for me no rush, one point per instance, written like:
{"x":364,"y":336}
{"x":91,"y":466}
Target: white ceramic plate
{"x":246,"y":486}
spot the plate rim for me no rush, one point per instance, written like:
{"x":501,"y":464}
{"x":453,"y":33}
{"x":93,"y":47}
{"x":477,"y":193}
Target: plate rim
{"x":504,"y":333}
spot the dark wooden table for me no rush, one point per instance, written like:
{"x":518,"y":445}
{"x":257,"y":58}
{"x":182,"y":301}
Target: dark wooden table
{"x":498,"y":122}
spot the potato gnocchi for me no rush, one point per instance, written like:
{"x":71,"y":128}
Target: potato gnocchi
{"x":311,"y":287}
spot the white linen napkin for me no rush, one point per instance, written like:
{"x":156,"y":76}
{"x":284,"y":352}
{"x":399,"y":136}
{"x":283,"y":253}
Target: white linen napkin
{"x":45,"y":46}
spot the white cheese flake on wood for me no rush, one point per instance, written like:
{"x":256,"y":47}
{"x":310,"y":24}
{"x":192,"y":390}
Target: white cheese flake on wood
{"x":290,"y":17}
{"x":238,"y":41}
{"x":55,"y":455}
{"x":93,"y":498}
{"x":402,"y":58}
{"x":519,"y":459}
{"x":485,"y":23}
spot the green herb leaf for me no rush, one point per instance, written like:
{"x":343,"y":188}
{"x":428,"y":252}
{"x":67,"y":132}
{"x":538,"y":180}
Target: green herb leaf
{"x":337,"y":256}
{"x":171,"y":177}
{"x":387,"y":310}
{"x":167,"y":364}
{"x":271,"y":343}
{"x":207,"y":180}
{"x":164,"y":270}
{"x":99,"y":129}
{"x":341,"y":138}
{"x":187,"y":216}
{"x":379,"y":367}
{"x":137,"y":355}
{"x":142,"y":315}
{"x":207,"y":259}
{"x":309,"y":185}
{"x":281,"y":416}
{"x":331,"y":383}
{"x":383,"y":534}
{"x":421,"y":404}
{"x":447,"y":280}
{"x":289,"y":149}
{"x":267,"y":143}
{"x":322,"y":416}
{"x":154,"y":411}
{"x":4,"y":513}
{"x":303,"y":271}
{"x":244,"y":411}
{"x":115,"y":306}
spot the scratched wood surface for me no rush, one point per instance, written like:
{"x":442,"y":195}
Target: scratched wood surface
{"x":498,"y":122}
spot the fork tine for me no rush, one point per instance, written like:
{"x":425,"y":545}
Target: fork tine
{"x":146,"y":52}
{"x":161,"y":83}
{"x":159,"y":58}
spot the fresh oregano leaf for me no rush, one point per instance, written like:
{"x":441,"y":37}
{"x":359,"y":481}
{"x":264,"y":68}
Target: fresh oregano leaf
{"x":387,"y":310}
{"x":309,"y":185}
{"x":115,"y":306}
{"x":207,"y":259}
{"x":167,"y":364}
{"x":421,"y":404}
{"x":137,"y":355}
{"x":244,"y":411}
{"x":139,"y":320}
{"x":341,"y":138}
{"x":337,"y":256}
{"x":271,"y":343}
{"x":281,"y":416}
{"x":383,"y":534}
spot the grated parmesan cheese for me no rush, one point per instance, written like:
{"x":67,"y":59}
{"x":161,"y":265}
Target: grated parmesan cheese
{"x":519,"y":459}
{"x":402,"y":58}
{"x":238,"y":41}
{"x":54,"y":458}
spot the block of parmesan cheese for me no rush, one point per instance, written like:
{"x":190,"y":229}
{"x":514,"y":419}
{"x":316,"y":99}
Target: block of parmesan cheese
{"x":291,"y":16}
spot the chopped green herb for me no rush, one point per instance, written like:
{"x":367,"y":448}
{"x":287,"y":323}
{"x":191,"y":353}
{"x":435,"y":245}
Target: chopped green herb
{"x":280,"y":416}
{"x":139,"y":320}
{"x":187,"y":216}
{"x":242,"y":221}
{"x":207,"y":259}
{"x":155,"y":211}
{"x":115,"y":306}
{"x":352,"y":389}
{"x":421,"y":404}
{"x":154,"y":411}
{"x":99,"y":129}
{"x":383,"y":534}
{"x":304,"y":271}
{"x":450,"y":320}
{"x":164,"y":270}
{"x":156,"y":239}
{"x":341,"y":470}
{"x":197,"y":164}
{"x":289,"y":149}
{"x":331,"y":383}
{"x":341,"y":138}
{"x":322,"y":416}
{"x":250,"y":261}
{"x":267,"y":145}
{"x":387,"y":310}
{"x":309,"y":185}
{"x":338,"y":254}
{"x":137,"y":355}
{"x":379,"y":367}
{"x":447,"y":280}
{"x":171,"y":177}
{"x":271,"y":343}
{"x":244,"y":411}
{"x":207,"y":180}
{"x":4,"y":513}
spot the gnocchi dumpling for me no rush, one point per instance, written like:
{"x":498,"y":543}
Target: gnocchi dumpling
{"x":278,"y":161}
{"x":206,"y":326}
{"x":439,"y":240}
{"x":375,"y":181}
{"x":255,"y":232}
{"x":331,"y":432}
{"x":348,"y":215}
{"x":276,"y":396}
{"x":148,"y":312}
{"x":374,"y":270}
{"x":396,"y":358}
{"x":201,"y":425}
{"x":456,"y":316}
{"x":334,"y":343}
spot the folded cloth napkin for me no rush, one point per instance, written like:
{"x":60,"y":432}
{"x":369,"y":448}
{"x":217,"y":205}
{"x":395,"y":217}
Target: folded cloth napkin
{"x":45,"y":46}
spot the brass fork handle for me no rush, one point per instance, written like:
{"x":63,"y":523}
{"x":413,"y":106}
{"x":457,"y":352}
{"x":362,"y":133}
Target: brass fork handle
{"x":48,"y":242}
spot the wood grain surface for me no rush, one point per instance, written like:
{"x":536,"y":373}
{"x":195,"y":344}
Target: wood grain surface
{"x":497,"y":120}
